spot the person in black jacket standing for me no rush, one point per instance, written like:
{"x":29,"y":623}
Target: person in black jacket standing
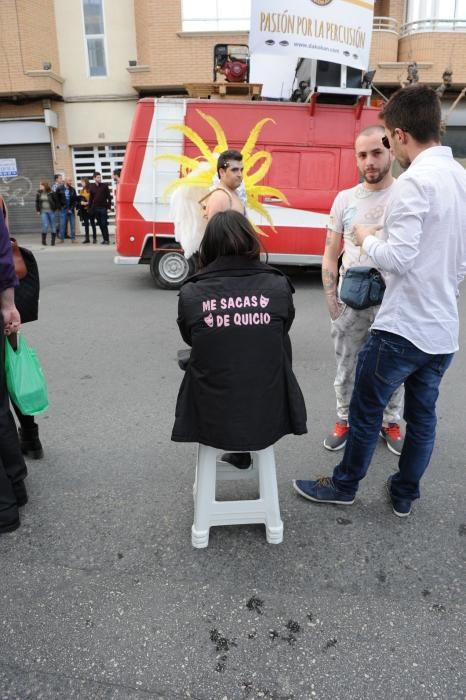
{"x":100,"y":201}
{"x":67,"y":200}
{"x":239,"y":391}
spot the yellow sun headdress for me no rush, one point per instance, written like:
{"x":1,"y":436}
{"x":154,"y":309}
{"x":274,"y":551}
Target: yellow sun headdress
{"x":198,"y":173}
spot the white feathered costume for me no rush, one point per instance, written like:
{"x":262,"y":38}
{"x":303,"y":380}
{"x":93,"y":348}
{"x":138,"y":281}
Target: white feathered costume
{"x":187,"y":213}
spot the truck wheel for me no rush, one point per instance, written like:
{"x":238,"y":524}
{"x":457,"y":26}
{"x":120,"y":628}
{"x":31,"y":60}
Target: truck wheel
{"x":170,"y":269}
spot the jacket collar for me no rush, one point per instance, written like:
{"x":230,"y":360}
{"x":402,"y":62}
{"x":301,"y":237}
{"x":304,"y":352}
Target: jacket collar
{"x":234,"y":265}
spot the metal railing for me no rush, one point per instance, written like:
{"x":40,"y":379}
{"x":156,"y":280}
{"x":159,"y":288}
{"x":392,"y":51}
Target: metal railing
{"x":385,"y":24}
{"x":433,"y":25}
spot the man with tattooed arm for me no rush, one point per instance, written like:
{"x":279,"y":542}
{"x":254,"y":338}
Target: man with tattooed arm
{"x":363,"y":204}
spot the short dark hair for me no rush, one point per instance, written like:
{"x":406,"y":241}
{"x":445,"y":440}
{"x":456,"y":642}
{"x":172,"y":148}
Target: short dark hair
{"x":415,"y":109}
{"x":228,"y":233}
{"x":225,"y":157}
{"x":96,"y":173}
{"x":56,"y":176}
{"x":117,"y":172}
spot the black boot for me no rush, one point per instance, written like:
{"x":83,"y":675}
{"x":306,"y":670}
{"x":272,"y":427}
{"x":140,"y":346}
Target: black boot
{"x":54,"y":235}
{"x":30,"y":444}
{"x":44,"y":239}
{"x":240,"y":460}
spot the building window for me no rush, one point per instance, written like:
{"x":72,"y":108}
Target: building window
{"x":215,"y":15}
{"x":420,"y":10}
{"x":94,"y":31}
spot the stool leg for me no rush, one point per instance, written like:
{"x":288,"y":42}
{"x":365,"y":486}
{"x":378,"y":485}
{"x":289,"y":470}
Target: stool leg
{"x":269,"y":494}
{"x":204,"y":495}
{"x":195,"y":476}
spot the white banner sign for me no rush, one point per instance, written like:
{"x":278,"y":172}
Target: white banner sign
{"x":329,"y":30}
{"x":8,"y":167}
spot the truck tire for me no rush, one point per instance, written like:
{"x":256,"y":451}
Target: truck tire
{"x":170,"y":269}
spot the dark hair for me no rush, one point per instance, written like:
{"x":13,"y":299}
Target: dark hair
{"x":228,"y":233}
{"x":225,"y":157}
{"x":96,"y":173}
{"x":117,"y":172}
{"x":56,"y":176}
{"x":415,"y":109}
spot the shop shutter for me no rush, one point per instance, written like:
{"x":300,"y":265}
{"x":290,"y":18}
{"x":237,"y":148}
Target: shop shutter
{"x":34,"y":163}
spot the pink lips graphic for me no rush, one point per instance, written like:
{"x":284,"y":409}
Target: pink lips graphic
{"x":264,"y":301}
{"x":209,"y":320}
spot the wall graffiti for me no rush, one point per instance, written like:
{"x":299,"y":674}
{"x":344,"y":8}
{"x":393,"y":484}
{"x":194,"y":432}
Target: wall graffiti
{"x":15,"y":190}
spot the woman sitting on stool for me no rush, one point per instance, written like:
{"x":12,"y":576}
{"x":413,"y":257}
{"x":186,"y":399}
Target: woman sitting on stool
{"x":239,"y":391}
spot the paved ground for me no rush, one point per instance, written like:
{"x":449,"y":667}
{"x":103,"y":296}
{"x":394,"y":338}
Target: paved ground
{"x":101,"y":593}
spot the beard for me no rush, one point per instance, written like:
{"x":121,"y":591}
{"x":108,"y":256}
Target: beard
{"x":377,"y":175}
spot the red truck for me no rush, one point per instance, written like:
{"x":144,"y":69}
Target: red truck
{"x":311,"y":158}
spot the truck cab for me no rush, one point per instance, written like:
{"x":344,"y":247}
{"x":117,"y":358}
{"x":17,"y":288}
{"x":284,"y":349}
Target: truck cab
{"x":311,"y":147}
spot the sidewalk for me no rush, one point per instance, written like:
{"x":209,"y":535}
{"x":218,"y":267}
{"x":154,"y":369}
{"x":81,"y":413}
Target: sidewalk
{"x":33,"y":242}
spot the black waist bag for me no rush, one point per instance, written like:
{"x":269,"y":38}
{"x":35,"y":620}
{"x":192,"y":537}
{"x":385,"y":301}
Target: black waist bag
{"x":362,"y":287}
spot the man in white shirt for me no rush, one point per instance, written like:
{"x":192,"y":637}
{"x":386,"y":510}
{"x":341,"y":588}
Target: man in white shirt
{"x":363,"y":204}
{"x":415,"y":333}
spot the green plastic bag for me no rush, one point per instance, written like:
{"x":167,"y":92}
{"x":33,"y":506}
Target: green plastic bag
{"x":25,"y":379}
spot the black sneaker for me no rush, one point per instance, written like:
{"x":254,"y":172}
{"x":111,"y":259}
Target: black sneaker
{"x":240,"y":460}
{"x":400,"y":506}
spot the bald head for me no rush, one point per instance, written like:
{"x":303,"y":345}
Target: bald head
{"x":376,"y":129}
{"x":373,"y":160}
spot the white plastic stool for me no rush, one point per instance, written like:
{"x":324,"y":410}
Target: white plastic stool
{"x":208,"y":511}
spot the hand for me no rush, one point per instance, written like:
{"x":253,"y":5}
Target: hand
{"x":336,"y":310}
{"x":334,"y":305}
{"x":11,"y":319}
{"x":361,"y":231}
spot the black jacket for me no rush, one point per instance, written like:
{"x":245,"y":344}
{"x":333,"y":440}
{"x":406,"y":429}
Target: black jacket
{"x":61,"y":198}
{"x":239,"y":391}
{"x":52,"y":201}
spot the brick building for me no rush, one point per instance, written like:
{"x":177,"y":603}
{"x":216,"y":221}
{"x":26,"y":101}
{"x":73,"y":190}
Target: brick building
{"x":74,"y":70}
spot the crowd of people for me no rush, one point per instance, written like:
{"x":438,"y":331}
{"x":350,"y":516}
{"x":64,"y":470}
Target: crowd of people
{"x":59,"y":203}
{"x":239,"y":391}
{"x":413,"y":231}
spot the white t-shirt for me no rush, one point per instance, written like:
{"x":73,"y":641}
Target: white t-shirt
{"x":357,"y":205}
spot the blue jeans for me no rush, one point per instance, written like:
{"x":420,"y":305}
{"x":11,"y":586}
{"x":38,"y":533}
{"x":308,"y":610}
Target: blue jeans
{"x":385,"y":362}
{"x":66,"y":216}
{"x":48,"y":220}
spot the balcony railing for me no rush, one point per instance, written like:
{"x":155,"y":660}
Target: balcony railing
{"x":385,"y":24}
{"x":433,"y":25}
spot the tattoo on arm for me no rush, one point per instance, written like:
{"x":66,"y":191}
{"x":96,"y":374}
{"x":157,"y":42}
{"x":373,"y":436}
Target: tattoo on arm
{"x":329,"y":281}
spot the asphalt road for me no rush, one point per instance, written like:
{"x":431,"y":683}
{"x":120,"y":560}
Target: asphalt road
{"x":101,"y":593}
